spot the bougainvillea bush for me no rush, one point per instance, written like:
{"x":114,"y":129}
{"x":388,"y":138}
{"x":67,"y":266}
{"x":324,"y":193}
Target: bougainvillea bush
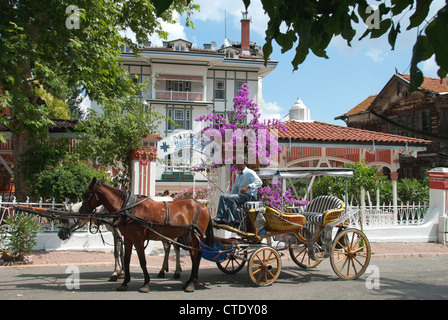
{"x":201,"y":192}
{"x":258,"y":138}
{"x":272,"y":196}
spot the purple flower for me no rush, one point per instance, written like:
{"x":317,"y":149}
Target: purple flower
{"x":245,"y":106}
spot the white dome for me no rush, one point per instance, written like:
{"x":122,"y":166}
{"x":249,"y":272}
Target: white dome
{"x":299,"y":111}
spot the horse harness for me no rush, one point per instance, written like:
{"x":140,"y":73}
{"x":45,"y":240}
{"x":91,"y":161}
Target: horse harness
{"x":131,"y":202}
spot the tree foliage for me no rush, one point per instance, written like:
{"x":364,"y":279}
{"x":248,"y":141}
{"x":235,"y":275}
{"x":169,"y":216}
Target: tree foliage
{"x":408,"y":190}
{"x":66,"y":181}
{"x":312,"y":24}
{"x":363,"y":177}
{"x":109,"y":137}
{"x":58,"y":45}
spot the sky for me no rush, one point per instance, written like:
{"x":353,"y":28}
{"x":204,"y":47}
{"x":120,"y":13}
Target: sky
{"x":328,"y":87}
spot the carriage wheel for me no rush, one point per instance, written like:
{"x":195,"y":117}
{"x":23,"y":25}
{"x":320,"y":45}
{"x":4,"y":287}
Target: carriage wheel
{"x":231,"y":264}
{"x":299,"y":254}
{"x":264,"y":266}
{"x":351,"y":253}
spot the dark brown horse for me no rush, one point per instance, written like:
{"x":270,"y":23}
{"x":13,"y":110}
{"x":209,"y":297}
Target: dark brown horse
{"x":148,"y":220}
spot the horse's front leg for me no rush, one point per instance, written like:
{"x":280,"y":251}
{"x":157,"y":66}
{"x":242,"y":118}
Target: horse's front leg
{"x":166,"y":248}
{"x":178,"y":266}
{"x":195,"y":254}
{"x":127,"y":262}
{"x":140,"y":248}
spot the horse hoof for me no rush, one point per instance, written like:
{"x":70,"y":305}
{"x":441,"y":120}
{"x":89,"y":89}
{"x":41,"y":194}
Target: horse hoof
{"x":161,"y":274}
{"x":176,"y":276}
{"x":144,"y":289}
{"x":113,"y":278}
{"x":190,"y":288}
{"x":123,"y":287}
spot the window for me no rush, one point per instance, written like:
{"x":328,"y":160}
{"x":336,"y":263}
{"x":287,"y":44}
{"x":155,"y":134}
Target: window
{"x":220,"y":89}
{"x":175,"y":85}
{"x":135,"y":78}
{"x":407,"y":120}
{"x":179,"y":117}
{"x":238,"y":85}
{"x":230,"y":54}
{"x":424,"y":121}
{"x":182,"y":118}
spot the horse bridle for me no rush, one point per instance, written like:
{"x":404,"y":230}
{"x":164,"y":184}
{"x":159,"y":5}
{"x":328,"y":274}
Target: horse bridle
{"x":86,"y":197}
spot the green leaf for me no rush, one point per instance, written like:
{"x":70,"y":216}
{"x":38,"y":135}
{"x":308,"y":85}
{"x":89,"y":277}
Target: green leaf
{"x":399,"y":5}
{"x":422,"y":51}
{"x":392,"y":38}
{"x":287,"y":40}
{"x":420,"y":14}
{"x":437,"y":33}
{"x":384,"y":26}
{"x":161,"y":6}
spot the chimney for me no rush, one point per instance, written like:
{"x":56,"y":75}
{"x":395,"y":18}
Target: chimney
{"x":245,"y":32}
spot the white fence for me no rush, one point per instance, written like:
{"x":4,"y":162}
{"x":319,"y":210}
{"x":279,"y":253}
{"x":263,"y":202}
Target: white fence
{"x":7,"y":209}
{"x":47,"y":237}
{"x":367,"y":217}
{"x":388,"y":216}
{"x":406,"y":223}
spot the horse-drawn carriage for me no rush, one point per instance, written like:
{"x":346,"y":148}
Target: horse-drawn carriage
{"x":317,"y":231}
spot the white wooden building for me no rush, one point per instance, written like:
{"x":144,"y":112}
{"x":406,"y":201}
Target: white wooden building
{"x":186,"y":82}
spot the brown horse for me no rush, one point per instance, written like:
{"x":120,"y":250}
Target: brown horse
{"x":148,"y":220}
{"x":68,"y":226}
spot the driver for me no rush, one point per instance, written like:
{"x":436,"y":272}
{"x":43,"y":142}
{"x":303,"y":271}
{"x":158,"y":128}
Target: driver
{"x":244,"y":189}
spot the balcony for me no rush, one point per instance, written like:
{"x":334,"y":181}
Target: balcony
{"x":179,"y":95}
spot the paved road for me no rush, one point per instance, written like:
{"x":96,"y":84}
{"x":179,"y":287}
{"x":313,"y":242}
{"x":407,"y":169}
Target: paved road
{"x":397,"y":278}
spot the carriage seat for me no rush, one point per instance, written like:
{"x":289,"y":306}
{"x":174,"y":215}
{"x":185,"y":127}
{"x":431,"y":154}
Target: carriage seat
{"x":323,"y":209}
{"x":253,"y":206}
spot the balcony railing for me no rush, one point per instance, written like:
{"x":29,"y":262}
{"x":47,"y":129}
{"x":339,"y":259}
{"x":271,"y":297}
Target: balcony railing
{"x":179,"y":95}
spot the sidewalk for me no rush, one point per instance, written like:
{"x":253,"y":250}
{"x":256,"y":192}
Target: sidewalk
{"x":95,"y":258}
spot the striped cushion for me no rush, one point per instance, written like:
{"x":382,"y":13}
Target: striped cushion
{"x":296,"y":209}
{"x":322,"y":204}
{"x":313,"y":217}
{"x":315,"y":211}
{"x":253,"y":206}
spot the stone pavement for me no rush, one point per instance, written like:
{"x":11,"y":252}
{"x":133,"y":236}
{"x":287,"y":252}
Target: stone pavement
{"x":95,"y":258}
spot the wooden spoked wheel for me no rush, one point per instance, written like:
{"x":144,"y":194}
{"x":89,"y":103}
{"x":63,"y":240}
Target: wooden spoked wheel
{"x":264,"y":266}
{"x":231,"y":264}
{"x":350,"y":254}
{"x":299,"y":254}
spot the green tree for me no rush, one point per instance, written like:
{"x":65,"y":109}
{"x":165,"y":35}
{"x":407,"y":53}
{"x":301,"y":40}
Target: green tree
{"x":312,"y":24}
{"x":59,"y":45}
{"x":363,"y":177}
{"x":66,"y":181}
{"x":109,"y":137}
{"x":413,"y":191}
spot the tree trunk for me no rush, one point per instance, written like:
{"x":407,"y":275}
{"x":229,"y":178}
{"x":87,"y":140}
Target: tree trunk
{"x":20,"y":145}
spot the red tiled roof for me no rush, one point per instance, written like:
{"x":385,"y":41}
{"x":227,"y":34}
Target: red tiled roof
{"x":430,"y":84}
{"x":361,"y":107}
{"x":324,"y":132}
